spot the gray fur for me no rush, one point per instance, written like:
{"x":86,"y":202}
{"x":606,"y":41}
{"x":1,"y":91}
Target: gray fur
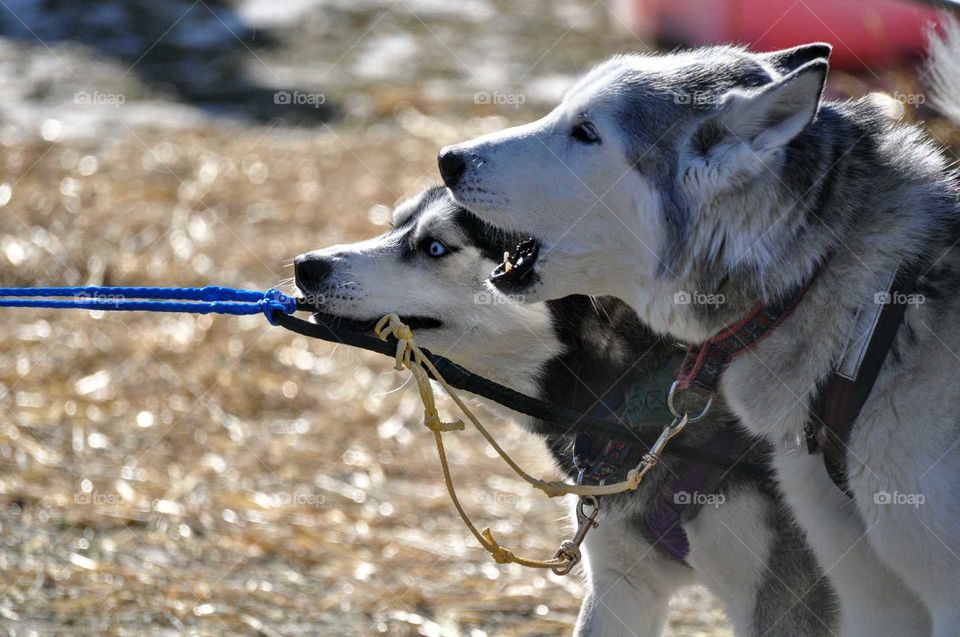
{"x":749,"y":186}
{"x":584,"y":348}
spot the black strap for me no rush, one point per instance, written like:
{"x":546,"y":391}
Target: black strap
{"x":555,"y":420}
{"x":841,"y":399}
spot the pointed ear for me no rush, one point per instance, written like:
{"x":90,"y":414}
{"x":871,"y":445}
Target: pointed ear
{"x":768,"y":118}
{"x":789,"y":60}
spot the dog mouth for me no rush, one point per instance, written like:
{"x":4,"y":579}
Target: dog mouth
{"x":316,"y":303}
{"x":366,"y":325}
{"x":516,"y":272}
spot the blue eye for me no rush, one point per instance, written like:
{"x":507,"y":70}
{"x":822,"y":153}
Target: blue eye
{"x":437,"y":249}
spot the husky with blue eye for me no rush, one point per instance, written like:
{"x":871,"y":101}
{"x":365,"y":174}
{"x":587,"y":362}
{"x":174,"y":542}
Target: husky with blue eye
{"x":689,"y":522}
{"x":716,"y":193}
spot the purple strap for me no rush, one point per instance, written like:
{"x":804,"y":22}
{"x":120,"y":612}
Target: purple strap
{"x":664,"y":521}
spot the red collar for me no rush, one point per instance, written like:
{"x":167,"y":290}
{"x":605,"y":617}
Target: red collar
{"x":704,"y":363}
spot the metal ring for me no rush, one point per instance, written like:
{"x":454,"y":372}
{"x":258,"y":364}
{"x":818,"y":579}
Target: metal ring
{"x":673,"y":409}
{"x":590,"y":500}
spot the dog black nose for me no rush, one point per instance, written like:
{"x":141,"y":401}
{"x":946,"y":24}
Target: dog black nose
{"x":452,"y":165}
{"x":311,"y":270}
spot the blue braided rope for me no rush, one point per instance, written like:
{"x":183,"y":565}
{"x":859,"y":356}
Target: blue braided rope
{"x":205,"y":300}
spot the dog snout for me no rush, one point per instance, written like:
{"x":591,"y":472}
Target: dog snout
{"x":311,"y":270}
{"x":452,"y":165}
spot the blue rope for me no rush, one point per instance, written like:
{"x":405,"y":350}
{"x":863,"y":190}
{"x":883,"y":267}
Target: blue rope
{"x":206,"y":300}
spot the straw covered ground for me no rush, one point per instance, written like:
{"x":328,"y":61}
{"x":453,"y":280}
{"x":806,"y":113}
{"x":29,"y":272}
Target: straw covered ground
{"x":199,"y":475}
{"x":167,"y":474}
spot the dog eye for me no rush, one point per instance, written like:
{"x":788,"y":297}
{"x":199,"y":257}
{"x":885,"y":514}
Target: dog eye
{"x":436,"y":249}
{"x":585,"y":132}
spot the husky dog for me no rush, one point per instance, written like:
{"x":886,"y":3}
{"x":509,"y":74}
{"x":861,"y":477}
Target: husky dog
{"x":578,"y":352}
{"x":697,"y":184}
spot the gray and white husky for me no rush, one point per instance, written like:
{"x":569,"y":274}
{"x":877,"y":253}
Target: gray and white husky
{"x":696,"y":184}
{"x":579,"y":352}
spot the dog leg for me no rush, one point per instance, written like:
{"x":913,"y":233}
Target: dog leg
{"x":904,"y":470}
{"x":629,"y":584}
{"x":923,"y":553}
{"x":913,"y":522}
{"x":749,"y":552}
{"x":729,"y":545}
{"x":946,"y":621}
{"x":874,"y":602}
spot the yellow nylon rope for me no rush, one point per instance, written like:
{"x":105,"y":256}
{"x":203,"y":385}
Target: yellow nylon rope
{"x":410,"y":356}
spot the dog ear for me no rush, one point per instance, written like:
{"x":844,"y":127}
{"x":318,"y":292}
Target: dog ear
{"x":788,"y":60}
{"x":767,"y":118}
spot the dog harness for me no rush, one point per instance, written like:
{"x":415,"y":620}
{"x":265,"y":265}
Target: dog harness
{"x":846,"y":388}
{"x":850,"y":384}
{"x":704,"y":363}
{"x":597,"y":460}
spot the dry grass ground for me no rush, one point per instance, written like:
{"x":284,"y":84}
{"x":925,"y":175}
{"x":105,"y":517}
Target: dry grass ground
{"x":164,"y":474}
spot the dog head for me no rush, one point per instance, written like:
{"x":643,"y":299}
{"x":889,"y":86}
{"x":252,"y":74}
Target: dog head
{"x":622,"y":186}
{"x":431,"y":268}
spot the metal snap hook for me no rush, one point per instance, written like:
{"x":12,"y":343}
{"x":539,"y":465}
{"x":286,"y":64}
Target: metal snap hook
{"x":570,"y":549}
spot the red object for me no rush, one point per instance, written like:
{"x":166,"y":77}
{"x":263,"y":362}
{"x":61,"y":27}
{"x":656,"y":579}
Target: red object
{"x":864,"y":33}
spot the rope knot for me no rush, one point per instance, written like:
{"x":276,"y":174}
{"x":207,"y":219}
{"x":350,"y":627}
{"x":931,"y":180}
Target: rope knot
{"x":570,"y":550}
{"x":431,"y":420}
{"x":391,"y":325}
{"x":402,"y":332}
{"x":275,"y":301}
{"x":499,"y":554}
{"x":553,"y":489}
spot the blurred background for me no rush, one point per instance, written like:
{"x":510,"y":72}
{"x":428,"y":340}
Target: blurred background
{"x":167,"y":475}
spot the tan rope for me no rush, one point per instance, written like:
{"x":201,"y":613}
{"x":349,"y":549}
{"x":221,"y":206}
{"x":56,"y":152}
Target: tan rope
{"x":410,"y":356}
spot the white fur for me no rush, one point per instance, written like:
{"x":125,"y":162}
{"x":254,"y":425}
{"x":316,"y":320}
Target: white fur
{"x":629,"y":584}
{"x":741,"y":548}
{"x":874,"y":602}
{"x":602,"y":223}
